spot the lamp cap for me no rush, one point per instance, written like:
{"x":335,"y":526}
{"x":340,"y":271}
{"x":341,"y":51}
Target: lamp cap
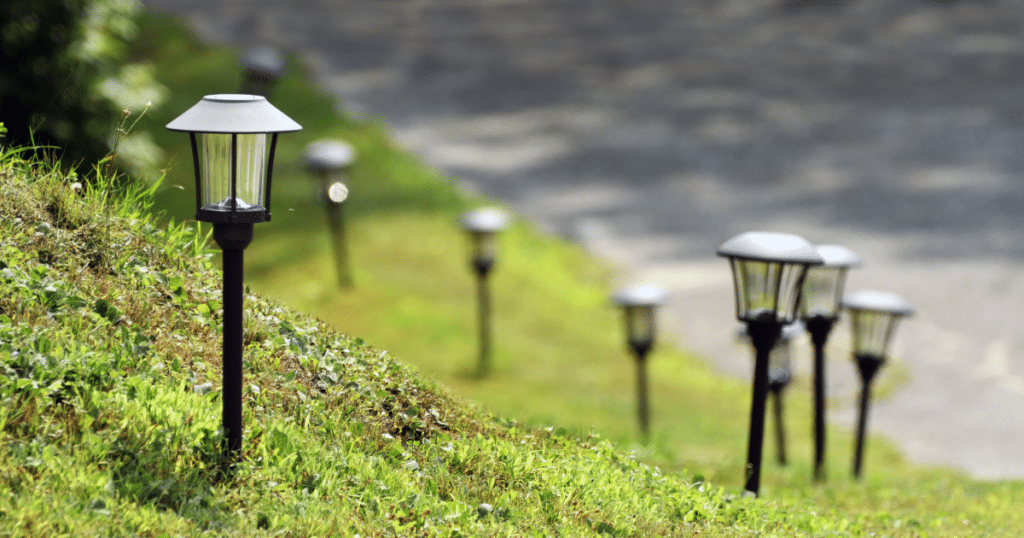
{"x":233,"y":113}
{"x":772,"y":247}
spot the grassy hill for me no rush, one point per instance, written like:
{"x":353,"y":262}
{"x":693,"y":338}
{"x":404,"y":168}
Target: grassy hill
{"x":109,"y":407}
{"x":110,"y":347}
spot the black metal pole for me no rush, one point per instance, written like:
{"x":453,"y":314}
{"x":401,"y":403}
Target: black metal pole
{"x":483,"y":267}
{"x":484,"y":296}
{"x":780,"y":427}
{"x":763,"y":335}
{"x":868,"y":366}
{"x":862,"y":420}
{"x":640,"y":350}
{"x":819,"y":327}
{"x":232,"y":238}
{"x":336,"y":221}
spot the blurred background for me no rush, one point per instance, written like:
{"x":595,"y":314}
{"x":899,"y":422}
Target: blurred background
{"x":651,"y":132}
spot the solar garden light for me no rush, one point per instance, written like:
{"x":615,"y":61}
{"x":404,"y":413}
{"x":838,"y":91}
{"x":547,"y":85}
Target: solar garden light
{"x":819,"y":309}
{"x":874,"y":316}
{"x":328,"y":160}
{"x":768,"y":272}
{"x":482,"y":225}
{"x":638,"y":305}
{"x":233,"y":158}
{"x":263,"y":67}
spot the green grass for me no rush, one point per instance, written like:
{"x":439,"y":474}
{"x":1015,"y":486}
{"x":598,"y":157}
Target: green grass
{"x":109,"y":399}
{"x":110,"y":423}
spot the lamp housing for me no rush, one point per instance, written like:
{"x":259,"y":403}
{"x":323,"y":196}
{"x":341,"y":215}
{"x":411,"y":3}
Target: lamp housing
{"x":263,"y":66}
{"x":823,"y":286}
{"x":874,"y":316}
{"x":324,"y":157}
{"x":264,"y":63}
{"x":233,"y":138}
{"x":768,"y":273}
{"x":639,"y":304}
{"x":482,"y":225}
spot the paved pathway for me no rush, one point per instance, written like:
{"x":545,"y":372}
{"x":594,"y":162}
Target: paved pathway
{"x":653,"y":131}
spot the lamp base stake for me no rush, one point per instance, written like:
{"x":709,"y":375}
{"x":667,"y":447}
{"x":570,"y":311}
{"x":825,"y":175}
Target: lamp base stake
{"x":484,"y":312}
{"x":780,"y":426}
{"x":862,"y":420}
{"x":232,"y":238}
{"x":640,"y":350}
{"x":763,"y":335}
{"x":819,"y":327}
{"x":868,"y":366}
{"x":336,"y":221}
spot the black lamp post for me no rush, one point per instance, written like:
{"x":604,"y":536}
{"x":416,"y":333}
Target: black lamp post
{"x":482,"y":225}
{"x":780,"y":373}
{"x":768,"y":271}
{"x":874,"y":316}
{"x":263,"y":67}
{"x":823,"y":292}
{"x":233,"y":157}
{"x":328,"y":160}
{"x":639,"y":305}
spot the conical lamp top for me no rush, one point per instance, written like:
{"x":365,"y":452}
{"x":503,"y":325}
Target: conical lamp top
{"x":771,"y":246}
{"x":233,"y":113}
{"x":877,"y":301}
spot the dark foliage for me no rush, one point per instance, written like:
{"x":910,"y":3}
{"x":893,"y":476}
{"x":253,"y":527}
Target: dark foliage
{"x":46,"y":81}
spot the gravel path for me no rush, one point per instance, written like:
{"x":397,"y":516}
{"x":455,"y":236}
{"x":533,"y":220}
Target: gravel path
{"x":653,"y":131}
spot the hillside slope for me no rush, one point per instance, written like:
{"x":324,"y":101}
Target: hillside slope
{"x":109,"y":406}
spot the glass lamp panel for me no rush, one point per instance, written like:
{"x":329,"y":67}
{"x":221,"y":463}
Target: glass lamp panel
{"x":823,"y":290}
{"x":251,"y":170}
{"x":872,"y":331}
{"x":790,"y":291}
{"x":767,"y":290}
{"x":640,"y":323}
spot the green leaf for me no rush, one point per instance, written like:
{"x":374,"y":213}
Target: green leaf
{"x":107,"y":310}
{"x":101,"y":306}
